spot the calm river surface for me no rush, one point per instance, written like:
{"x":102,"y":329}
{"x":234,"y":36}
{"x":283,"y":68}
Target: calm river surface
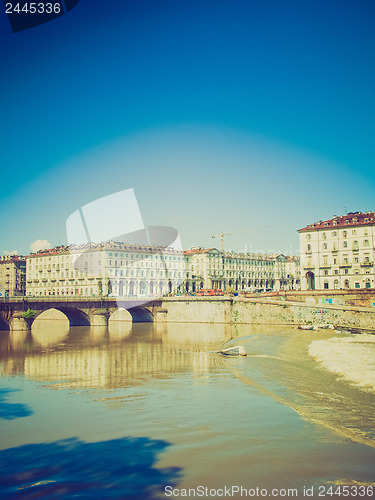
{"x":146,"y":411}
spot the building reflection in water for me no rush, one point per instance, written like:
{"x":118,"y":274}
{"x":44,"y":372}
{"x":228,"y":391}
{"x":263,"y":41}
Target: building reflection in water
{"x":121,"y":355}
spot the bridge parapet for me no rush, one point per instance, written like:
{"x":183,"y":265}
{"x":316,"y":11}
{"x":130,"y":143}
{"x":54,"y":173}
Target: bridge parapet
{"x":79,"y":311}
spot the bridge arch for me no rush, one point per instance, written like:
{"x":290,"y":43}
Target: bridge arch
{"x":75,"y":316}
{"x":121,"y":314}
{"x":141,"y":315}
{"x":4,"y":325}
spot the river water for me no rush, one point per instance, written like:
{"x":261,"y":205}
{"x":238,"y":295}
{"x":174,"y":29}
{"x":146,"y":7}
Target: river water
{"x":150,"y":411}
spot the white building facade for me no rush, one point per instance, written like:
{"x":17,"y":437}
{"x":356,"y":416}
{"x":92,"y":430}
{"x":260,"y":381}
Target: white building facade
{"x":127,"y":270}
{"x":112,"y":268}
{"x":231,"y":271}
{"x":338,"y":253}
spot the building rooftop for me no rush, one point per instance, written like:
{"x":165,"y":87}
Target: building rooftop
{"x":108,"y":245}
{"x":199,"y":250}
{"x":338,"y":221}
{"x":11,"y":258}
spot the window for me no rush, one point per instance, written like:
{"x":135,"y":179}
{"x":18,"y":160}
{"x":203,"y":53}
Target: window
{"x":324,"y":236}
{"x":326,"y":285}
{"x":344,"y":234}
{"x":326,"y":272}
{"x":309,"y":247}
{"x":345,"y":244}
{"x":366,"y":243}
{"x":324,"y":246}
{"x":357,"y":285}
{"x":334,"y":233}
{"x":308,"y":236}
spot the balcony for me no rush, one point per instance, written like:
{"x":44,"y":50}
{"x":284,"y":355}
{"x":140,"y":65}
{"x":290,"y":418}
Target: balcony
{"x":346,"y":264}
{"x":367,"y":264}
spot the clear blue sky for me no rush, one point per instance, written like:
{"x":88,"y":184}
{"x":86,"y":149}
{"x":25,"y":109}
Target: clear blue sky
{"x":222,"y":115}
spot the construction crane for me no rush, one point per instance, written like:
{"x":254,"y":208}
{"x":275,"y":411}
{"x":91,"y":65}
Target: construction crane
{"x":221,"y":235}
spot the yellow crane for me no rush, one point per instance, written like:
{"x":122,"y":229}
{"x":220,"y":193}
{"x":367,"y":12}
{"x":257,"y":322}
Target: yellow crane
{"x":221,"y":235}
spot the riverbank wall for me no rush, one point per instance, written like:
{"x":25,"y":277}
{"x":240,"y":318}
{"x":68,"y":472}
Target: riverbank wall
{"x":316,"y":310}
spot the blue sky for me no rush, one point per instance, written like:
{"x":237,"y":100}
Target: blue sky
{"x":221,"y":115}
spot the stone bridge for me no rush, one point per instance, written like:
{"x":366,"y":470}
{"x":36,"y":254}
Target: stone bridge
{"x":297,"y":310}
{"x":80,"y":312}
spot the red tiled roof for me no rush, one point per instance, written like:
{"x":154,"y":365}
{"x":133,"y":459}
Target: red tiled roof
{"x":49,"y":251}
{"x":13,"y":258}
{"x":202,"y":250}
{"x":350,"y":220}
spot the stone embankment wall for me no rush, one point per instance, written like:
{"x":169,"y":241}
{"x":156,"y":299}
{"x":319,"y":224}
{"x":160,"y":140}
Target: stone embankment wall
{"x":267,"y":310}
{"x":360,"y":297}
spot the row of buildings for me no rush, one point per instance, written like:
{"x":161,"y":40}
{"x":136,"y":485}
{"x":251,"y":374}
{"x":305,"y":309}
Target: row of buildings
{"x":129,"y":270}
{"x":334,"y":254}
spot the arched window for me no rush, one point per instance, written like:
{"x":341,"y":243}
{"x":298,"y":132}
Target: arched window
{"x":310,"y":277}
